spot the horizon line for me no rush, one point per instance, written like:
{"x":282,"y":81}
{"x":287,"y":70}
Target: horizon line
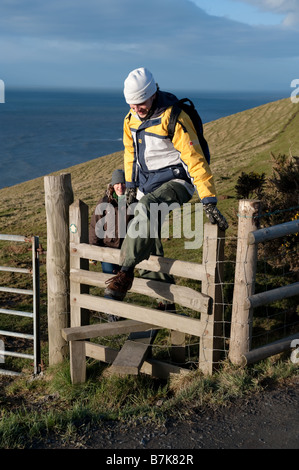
{"x":57,"y":88}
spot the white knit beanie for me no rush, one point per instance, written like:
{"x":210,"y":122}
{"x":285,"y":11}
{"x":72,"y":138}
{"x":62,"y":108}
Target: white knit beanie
{"x":139,"y":86}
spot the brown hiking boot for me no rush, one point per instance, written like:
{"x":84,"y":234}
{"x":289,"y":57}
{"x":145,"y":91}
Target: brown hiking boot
{"x":118,"y":286}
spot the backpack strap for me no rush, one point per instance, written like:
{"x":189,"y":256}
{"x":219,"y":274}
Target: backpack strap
{"x":175,"y":112}
{"x":189,"y":108}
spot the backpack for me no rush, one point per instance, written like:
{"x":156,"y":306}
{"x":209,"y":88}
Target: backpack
{"x":181,"y":105}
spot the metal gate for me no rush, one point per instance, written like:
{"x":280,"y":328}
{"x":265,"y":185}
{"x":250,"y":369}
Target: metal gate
{"x":35,"y":314}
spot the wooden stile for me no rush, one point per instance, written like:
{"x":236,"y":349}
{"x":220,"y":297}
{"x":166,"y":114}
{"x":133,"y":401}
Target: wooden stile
{"x":142,"y":322}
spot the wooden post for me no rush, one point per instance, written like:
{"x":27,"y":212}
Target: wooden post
{"x":77,"y":362}
{"x":212,"y":338}
{"x":246,"y":259}
{"x":58,"y":197}
{"x":78,"y":223}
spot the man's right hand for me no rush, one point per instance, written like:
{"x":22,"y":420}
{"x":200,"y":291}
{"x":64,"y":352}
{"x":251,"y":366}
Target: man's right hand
{"x":131,"y":196}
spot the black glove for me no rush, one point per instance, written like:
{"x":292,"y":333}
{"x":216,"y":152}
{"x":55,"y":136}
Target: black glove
{"x":215,"y":216}
{"x":131,"y":196}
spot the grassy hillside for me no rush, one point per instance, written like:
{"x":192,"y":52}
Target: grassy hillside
{"x":244,"y":141}
{"x":241,"y":142}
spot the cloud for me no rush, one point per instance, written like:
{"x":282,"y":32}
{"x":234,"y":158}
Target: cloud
{"x":289,"y":8}
{"x":177,"y":26}
{"x":94,"y":18}
{"x":102,"y":40}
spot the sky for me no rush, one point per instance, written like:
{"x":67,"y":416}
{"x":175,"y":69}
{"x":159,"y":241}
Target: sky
{"x":215,"y":45}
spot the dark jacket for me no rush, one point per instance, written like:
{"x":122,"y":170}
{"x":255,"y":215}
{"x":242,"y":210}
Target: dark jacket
{"x":108,"y":207}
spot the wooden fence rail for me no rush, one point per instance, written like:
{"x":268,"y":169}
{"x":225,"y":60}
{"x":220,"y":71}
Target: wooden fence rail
{"x":244,"y":298}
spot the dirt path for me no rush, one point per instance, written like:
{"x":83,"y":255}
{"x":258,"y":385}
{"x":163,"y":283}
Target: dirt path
{"x":269,"y":420}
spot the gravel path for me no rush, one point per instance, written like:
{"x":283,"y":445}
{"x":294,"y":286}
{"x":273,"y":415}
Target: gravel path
{"x":268,"y":420}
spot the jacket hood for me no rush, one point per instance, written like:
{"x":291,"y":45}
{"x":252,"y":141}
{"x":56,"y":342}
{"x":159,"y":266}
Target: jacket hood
{"x":162,"y":102}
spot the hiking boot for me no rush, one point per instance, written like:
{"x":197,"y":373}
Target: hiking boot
{"x":118,"y":286}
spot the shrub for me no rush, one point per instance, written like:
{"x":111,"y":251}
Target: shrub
{"x":250,"y":185}
{"x":281,"y":204}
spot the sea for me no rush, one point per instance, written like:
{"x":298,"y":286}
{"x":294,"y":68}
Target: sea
{"x":42,"y":131}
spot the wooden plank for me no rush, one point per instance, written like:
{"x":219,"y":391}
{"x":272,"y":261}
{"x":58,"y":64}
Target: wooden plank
{"x":154,"y":263}
{"x":103,"y":329}
{"x":171,"y":321}
{"x":100,"y":352}
{"x":161,"y":370}
{"x":133,"y":353}
{"x":181,"y":295}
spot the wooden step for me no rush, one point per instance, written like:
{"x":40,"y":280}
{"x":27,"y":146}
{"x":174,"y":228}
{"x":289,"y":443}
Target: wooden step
{"x":133,"y":353}
{"x":77,"y":333}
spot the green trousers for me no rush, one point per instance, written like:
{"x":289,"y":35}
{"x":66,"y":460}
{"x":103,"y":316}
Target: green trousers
{"x":143,"y":237}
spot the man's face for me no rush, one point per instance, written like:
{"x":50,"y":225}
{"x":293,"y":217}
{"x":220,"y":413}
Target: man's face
{"x":143,"y":109}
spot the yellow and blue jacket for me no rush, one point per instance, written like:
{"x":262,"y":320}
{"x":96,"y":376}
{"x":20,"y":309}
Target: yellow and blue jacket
{"x":151,"y":158}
